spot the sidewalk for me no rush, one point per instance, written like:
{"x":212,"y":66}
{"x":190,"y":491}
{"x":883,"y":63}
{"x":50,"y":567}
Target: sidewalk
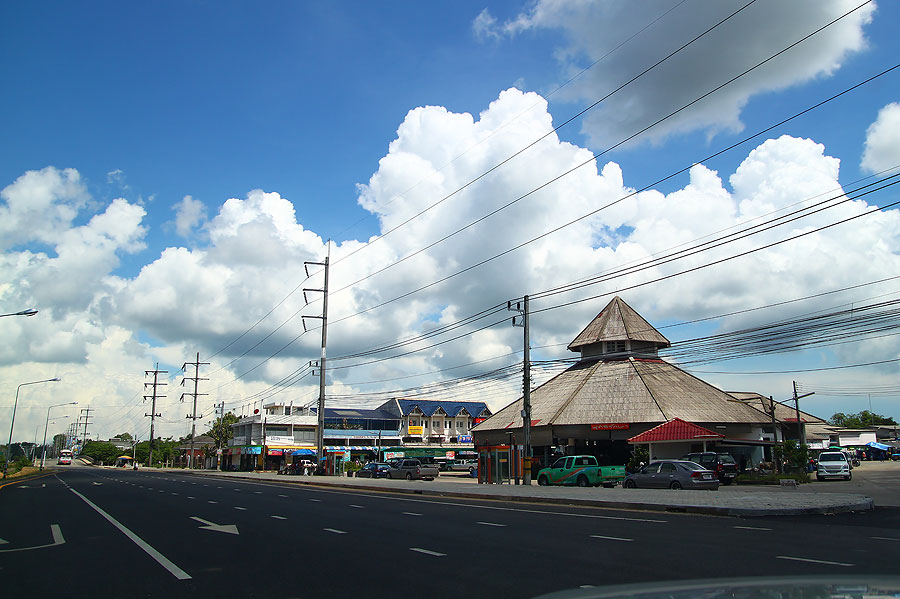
{"x":733,"y":502}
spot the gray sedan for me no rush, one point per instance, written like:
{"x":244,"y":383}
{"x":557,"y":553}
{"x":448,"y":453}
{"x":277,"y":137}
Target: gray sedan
{"x":672,"y":474}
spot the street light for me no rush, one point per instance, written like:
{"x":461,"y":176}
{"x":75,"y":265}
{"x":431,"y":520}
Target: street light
{"x":28,"y":312}
{"x":46,"y":423}
{"x":13,"y":423}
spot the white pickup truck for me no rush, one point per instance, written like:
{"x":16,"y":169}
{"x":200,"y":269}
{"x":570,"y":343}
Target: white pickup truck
{"x":411,"y":469}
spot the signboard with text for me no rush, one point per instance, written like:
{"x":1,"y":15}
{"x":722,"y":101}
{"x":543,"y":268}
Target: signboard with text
{"x":464,"y":439}
{"x":611,"y":426}
{"x":416,"y":430}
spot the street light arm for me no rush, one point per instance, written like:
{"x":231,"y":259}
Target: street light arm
{"x":28,"y":312}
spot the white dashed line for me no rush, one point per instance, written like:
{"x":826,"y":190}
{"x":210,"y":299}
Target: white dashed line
{"x":285,"y":496}
{"x":237,"y":507}
{"x":357,"y":506}
{"x":211,"y":501}
{"x":490,"y":524}
{"x":335,"y":531}
{"x":279,"y":517}
{"x":427,"y":552}
{"x":412,"y":514}
{"x":190,"y":497}
{"x":751,"y":528}
{"x":610,"y":538}
{"x":316,"y":500}
{"x":813,"y":561}
{"x":885,"y":539}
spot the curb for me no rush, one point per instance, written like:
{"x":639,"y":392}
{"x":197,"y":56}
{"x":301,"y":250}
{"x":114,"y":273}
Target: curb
{"x":865,"y":504}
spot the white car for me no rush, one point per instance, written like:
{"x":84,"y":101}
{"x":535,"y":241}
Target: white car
{"x":833,"y":464}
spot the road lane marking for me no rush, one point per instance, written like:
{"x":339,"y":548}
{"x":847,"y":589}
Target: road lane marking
{"x":427,"y":551}
{"x":610,"y":538}
{"x":885,"y":539}
{"x":191,"y":497}
{"x":335,"y":531}
{"x":412,"y":513}
{"x":237,"y":507}
{"x":490,"y":524}
{"x":174,"y":493}
{"x":813,"y":561}
{"x":159,"y":557}
{"x":285,"y":496}
{"x":258,"y":492}
{"x":357,"y":506}
{"x":279,"y":517}
{"x":751,"y":528}
{"x":211,"y":501}
{"x":316,"y":500}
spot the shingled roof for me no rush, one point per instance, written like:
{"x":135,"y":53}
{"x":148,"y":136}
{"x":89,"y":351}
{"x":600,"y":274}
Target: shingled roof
{"x":618,"y":322}
{"x":675,"y":430}
{"x":634,"y":390}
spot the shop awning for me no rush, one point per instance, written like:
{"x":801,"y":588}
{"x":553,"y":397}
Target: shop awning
{"x":880,"y":446}
{"x":303,"y":452}
{"x":675,"y":430}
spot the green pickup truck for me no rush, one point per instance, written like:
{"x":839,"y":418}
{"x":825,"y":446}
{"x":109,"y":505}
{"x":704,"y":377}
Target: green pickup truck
{"x":581,"y":470}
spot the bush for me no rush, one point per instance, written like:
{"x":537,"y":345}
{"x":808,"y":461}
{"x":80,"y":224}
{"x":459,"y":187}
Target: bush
{"x":641,"y":454}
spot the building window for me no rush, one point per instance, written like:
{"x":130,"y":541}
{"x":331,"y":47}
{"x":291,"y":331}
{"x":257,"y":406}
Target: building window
{"x":615,"y":347}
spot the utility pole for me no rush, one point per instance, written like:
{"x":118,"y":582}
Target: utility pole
{"x":774,"y":433}
{"x":153,"y":415}
{"x":87,"y":420}
{"x":522,"y":309}
{"x":193,"y":415}
{"x":320,"y":416}
{"x":801,"y":429}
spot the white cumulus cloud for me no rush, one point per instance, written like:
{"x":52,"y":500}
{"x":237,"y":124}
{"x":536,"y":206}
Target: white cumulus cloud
{"x":882,"y":149}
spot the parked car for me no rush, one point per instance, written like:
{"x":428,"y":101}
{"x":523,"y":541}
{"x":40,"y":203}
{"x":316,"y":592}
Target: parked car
{"x":833,"y":464}
{"x":460,"y":466}
{"x":581,"y":470}
{"x":720,"y":463}
{"x":411,"y":469}
{"x":374,"y":470}
{"x":672,"y":474}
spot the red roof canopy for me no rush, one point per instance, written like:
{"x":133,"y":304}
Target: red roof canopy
{"x":675,"y":430}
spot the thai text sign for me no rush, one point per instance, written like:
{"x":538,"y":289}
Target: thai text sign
{"x":611,"y":426}
{"x":416,"y":430}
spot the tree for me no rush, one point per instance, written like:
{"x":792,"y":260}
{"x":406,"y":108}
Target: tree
{"x":863,"y":419}
{"x":124,"y":436}
{"x":221,"y":429}
{"x":59,"y":441}
{"x":106,"y":453}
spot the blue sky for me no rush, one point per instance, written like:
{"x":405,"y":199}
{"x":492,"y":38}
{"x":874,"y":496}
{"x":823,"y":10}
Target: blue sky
{"x":154,"y":102}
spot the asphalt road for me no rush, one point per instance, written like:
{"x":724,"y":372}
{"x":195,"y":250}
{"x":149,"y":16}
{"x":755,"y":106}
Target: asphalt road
{"x":152,"y":534}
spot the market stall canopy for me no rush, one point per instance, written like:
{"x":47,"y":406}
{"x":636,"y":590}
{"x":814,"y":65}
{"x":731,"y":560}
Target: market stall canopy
{"x":880,"y":446}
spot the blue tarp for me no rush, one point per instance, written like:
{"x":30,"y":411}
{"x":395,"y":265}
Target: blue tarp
{"x":880,"y":446}
{"x":303,"y":452}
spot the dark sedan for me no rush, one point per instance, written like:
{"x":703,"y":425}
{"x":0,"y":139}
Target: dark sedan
{"x":373,"y":470}
{"x":672,"y":474}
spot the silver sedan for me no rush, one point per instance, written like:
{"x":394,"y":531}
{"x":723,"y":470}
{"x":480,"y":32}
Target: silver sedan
{"x":672,"y":474}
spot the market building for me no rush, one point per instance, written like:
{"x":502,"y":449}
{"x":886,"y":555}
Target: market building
{"x":619,"y":389}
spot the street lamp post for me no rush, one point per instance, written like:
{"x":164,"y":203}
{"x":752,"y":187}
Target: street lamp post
{"x":13,"y":423}
{"x":46,"y":423}
{"x":29,"y":312}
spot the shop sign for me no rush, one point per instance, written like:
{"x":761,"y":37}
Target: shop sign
{"x":416,"y":430}
{"x":279,"y":440}
{"x":276,"y":452}
{"x":451,"y":454}
{"x":478,"y":420}
{"x":218,"y":452}
{"x":464,"y":438}
{"x":390,"y":455}
{"x":611,"y":426}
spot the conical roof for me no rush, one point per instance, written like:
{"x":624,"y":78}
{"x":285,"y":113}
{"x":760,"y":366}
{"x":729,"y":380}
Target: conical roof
{"x":618,"y":322}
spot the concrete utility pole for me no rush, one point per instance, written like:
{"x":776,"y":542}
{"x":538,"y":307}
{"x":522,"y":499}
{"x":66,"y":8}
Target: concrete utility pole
{"x":153,"y":415}
{"x":774,"y":433}
{"x":193,"y":415}
{"x":320,"y":415}
{"x":522,"y":309}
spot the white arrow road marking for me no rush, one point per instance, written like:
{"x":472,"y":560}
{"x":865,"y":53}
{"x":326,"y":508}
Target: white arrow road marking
{"x":227,"y":528}
{"x":57,"y":540}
